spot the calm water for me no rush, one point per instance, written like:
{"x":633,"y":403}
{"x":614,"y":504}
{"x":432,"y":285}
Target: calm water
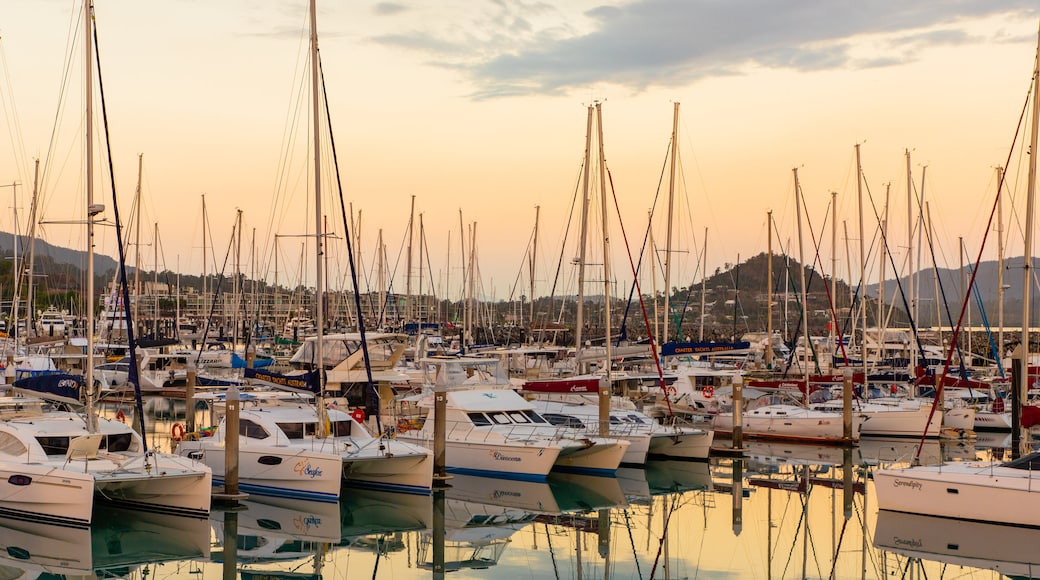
{"x":783,"y":511}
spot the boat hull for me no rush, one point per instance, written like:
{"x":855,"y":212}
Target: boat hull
{"x":170,"y":484}
{"x":695,"y":445}
{"x":974,"y":491}
{"x":789,"y":424}
{"x":496,"y":459}
{"x":601,"y":457}
{"x":272,"y":471}
{"x":46,"y":494}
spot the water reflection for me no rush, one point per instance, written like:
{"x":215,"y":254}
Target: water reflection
{"x":779,"y":511}
{"x":910,"y":539}
{"x":119,"y":543}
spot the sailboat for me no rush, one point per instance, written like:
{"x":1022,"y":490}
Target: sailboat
{"x":978,"y":490}
{"x":299,"y":448}
{"x":42,"y":447}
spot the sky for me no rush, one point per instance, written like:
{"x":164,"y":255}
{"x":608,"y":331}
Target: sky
{"x":478,"y":110}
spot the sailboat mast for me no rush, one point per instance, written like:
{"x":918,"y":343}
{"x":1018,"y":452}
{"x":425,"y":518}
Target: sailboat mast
{"x":534,"y":257}
{"x":1027,"y":262}
{"x":579,"y":318}
{"x":137,"y":240}
{"x":408,"y":268}
{"x":30,"y":296}
{"x":382,"y":280}
{"x":910,"y":255}
{"x":1000,"y":267}
{"x":834,"y":268}
{"x":704,"y":284}
{"x":605,"y":387}
{"x":668,"y":239}
{"x":88,"y":19}
{"x":155,"y":280}
{"x":319,"y":302}
{"x":769,"y":291}
{"x":862,"y":267}
{"x":801,"y":277}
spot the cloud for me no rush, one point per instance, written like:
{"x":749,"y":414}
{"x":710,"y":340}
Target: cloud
{"x":515,"y":47}
{"x":389,"y":8}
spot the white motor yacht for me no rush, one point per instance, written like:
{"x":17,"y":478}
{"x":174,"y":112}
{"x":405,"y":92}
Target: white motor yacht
{"x":282,"y":452}
{"x":646,"y":436}
{"x":492,"y":430}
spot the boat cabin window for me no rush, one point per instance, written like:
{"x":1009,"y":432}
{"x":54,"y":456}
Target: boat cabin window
{"x":11,"y":445}
{"x":117,"y":442}
{"x":60,"y":445}
{"x":247,"y":428}
{"x":500,"y":418}
{"x":519,"y":417}
{"x":635,"y":419}
{"x":534,"y":417}
{"x":563,"y":420}
{"x":341,"y":428}
{"x":479,"y":419}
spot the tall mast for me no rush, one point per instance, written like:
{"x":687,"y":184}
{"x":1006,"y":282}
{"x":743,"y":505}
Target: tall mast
{"x":704,"y":283}
{"x":579,"y":318}
{"x":910,"y":255}
{"x":319,"y":284}
{"x":14,"y":266}
{"x":801,"y":277}
{"x":604,"y":392}
{"x":534,"y":256}
{"x":88,"y":20}
{"x":668,"y":240}
{"x":408,"y":268}
{"x":205,"y":281}
{"x":769,"y":292}
{"x":1027,"y":273}
{"x":834,"y":275}
{"x":155,"y":280}
{"x":1000,"y":267}
{"x":137,"y":242}
{"x":862,"y":266}
{"x":420,"y":300}
{"x":31,"y":296}
{"x":382,"y":280}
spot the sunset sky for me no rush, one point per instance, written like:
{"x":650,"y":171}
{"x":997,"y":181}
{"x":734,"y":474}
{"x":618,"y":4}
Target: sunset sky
{"x":480,"y":106}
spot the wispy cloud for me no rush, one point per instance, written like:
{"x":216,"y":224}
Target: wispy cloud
{"x":516,"y":47}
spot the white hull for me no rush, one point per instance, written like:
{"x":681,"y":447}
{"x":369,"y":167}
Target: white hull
{"x":790,"y":423}
{"x":399,"y":469}
{"x":990,"y":421}
{"x":682,"y":445}
{"x":900,"y":422}
{"x":603,"y":456}
{"x":962,"y":418}
{"x":46,"y":494}
{"x":500,"y":459}
{"x":172,"y":485}
{"x":638,"y":448}
{"x":275,"y":471}
{"x":978,"y":491}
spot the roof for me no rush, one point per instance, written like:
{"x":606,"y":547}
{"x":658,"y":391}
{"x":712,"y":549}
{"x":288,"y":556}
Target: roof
{"x":487,"y":400}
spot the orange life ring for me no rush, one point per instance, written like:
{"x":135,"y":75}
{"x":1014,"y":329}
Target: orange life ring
{"x":708,"y":391}
{"x":120,"y":416}
{"x":670,"y":390}
{"x":358,"y":415}
{"x":177,"y":432}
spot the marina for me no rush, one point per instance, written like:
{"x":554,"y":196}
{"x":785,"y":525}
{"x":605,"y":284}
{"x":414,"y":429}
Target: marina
{"x":783,"y":510}
{"x":345,"y":413}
